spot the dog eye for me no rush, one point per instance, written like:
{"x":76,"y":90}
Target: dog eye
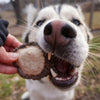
{"x":76,"y":22}
{"x":40,"y":22}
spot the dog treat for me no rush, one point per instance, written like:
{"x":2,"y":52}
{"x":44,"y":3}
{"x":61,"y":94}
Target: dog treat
{"x":31,"y":63}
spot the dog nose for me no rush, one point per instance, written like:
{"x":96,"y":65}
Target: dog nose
{"x":68,"y":32}
{"x":58,"y":33}
{"x":48,"y":29}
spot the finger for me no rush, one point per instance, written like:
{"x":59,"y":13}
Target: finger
{"x":9,"y":49}
{"x":12,"y":41}
{"x":6,"y":69}
{"x":7,"y":57}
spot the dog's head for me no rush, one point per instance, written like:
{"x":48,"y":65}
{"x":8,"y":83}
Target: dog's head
{"x":61,"y":32}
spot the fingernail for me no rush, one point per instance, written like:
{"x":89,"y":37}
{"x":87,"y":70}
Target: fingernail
{"x":13,"y":55}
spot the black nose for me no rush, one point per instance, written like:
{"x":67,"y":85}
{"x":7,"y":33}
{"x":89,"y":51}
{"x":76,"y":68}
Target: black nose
{"x":68,"y":32}
{"x":48,"y":29}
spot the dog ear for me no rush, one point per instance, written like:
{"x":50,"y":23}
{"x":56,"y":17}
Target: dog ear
{"x":31,"y":11}
{"x":78,"y":8}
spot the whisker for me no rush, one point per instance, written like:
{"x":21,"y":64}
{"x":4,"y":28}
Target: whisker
{"x":92,"y":65}
{"x":94,"y":43}
{"x":97,"y":62}
{"x":30,"y":28}
{"x":96,"y":55}
{"x":94,"y":48}
{"x":23,"y":21}
{"x":83,"y":79}
{"x":89,"y":63}
{"x":94,"y":58}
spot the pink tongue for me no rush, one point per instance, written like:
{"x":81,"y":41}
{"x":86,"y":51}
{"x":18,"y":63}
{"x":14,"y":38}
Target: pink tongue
{"x":62,"y":66}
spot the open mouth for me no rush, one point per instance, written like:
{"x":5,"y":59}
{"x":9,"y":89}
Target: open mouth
{"x":63,"y":74}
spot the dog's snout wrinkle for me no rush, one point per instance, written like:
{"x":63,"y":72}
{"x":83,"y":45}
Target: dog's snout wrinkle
{"x":68,"y":32}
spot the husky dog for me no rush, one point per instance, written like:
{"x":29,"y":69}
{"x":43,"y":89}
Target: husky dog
{"x":59,"y":30}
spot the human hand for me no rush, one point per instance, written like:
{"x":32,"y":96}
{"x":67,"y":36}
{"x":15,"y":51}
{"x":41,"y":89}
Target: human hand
{"x":7,"y":56}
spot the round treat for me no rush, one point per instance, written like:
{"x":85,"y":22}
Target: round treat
{"x":31,"y":62}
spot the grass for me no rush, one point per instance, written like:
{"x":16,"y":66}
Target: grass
{"x":12,"y":86}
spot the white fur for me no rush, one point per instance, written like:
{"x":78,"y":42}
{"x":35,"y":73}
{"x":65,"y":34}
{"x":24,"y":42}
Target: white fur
{"x":45,"y":90}
{"x":25,"y":96}
{"x":30,"y":11}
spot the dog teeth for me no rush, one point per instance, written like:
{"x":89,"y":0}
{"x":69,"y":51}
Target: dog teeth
{"x":53,"y":73}
{"x":75,"y":71}
{"x":57,"y":78}
{"x":61,"y":79}
{"x":68,"y":78}
{"x":49,"y":56}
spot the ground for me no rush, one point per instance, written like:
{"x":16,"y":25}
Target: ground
{"x":13,"y":86}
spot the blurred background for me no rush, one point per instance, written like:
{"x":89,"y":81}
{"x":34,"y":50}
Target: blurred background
{"x":13,"y":86}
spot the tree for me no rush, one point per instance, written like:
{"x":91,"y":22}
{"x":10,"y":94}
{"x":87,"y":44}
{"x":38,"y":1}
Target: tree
{"x":18,"y":11}
{"x":18,"y":6}
{"x":23,"y":3}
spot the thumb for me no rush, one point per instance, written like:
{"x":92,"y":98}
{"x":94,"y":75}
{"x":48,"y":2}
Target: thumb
{"x":7,"y":57}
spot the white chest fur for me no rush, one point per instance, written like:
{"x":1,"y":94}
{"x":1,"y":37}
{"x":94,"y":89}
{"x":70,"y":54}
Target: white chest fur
{"x":44,"y":90}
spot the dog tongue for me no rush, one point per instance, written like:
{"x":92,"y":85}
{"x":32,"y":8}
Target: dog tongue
{"x":62,"y":66}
